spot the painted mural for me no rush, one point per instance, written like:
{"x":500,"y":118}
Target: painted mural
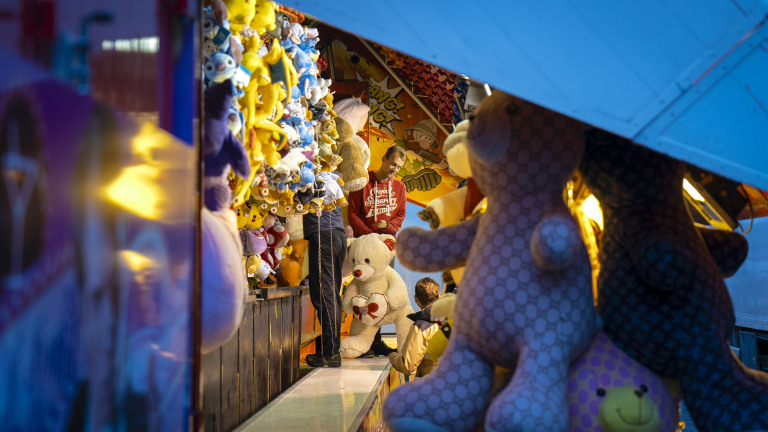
{"x":395,"y":118}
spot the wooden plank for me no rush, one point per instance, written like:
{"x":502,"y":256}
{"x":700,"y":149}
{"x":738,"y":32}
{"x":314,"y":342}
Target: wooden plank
{"x":296,"y":338}
{"x":275,"y":348}
{"x":261,"y":353}
{"x":211,"y":371}
{"x":230,"y":387}
{"x":286,"y":339}
{"x":247,"y":375}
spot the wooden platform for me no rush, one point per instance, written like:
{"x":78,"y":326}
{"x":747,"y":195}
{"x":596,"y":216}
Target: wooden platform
{"x":348,"y":398}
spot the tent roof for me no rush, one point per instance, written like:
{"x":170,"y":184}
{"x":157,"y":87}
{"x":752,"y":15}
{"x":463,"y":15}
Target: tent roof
{"x":684,"y":77}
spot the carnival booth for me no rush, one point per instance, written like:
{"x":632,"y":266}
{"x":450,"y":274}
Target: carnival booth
{"x":589,"y":186}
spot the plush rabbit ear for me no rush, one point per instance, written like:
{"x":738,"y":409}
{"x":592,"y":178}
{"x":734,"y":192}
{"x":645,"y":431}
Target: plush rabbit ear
{"x":490,"y":129}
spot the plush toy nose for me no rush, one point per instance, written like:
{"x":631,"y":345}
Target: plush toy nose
{"x":221,"y":67}
{"x":358,"y":273}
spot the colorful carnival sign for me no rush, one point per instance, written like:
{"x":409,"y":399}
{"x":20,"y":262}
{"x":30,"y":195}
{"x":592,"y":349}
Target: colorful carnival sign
{"x":395,"y":118}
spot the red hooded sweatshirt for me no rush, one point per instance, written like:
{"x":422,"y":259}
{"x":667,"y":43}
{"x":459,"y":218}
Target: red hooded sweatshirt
{"x":365,"y":212}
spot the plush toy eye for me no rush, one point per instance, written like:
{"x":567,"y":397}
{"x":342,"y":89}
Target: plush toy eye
{"x":209,"y":67}
{"x":644,"y":388}
{"x":601,"y":392}
{"x":353,"y":260}
{"x":367,"y":261}
{"x":471,"y":117}
{"x":230,"y":62}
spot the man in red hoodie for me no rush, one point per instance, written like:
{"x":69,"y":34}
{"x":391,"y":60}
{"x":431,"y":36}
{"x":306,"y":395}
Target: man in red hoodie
{"x":379,"y":207}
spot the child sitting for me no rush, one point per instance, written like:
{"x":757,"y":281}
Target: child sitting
{"x":413,"y":359}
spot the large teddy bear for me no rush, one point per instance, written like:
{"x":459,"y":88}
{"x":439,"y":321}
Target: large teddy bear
{"x":661,"y":292}
{"x":526,"y":298}
{"x":377,"y":296}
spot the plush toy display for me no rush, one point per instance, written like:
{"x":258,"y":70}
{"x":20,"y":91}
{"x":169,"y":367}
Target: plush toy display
{"x":610,"y":392}
{"x":377,"y":296}
{"x":660,"y":292}
{"x":355,"y":155}
{"x":527,"y":303}
{"x":441,"y":313}
{"x":224,"y":285}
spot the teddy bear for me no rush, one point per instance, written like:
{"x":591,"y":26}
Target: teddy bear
{"x":526,"y":299}
{"x":610,"y":392}
{"x":660,"y":290}
{"x":355,"y":156}
{"x":376,"y":296}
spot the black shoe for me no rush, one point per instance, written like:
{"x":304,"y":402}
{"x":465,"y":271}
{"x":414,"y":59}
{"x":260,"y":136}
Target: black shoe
{"x":381,"y":349}
{"x":319,"y":360}
{"x":367,"y":354}
{"x":334,"y":361}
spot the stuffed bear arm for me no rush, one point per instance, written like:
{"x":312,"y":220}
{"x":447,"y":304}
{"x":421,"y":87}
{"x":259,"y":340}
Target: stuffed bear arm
{"x":446,"y":210}
{"x":346,"y":302}
{"x":662,"y":260}
{"x":555,"y":242}
{"x":427,"y":251}
{"x":728,"y":249}
{"x":397,"y":292}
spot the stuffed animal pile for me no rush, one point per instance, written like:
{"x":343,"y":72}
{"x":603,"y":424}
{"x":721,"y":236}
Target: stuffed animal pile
{"x":270,"y":127}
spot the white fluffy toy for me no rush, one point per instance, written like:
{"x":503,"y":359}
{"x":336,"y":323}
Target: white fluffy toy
{"x":377,"y":296}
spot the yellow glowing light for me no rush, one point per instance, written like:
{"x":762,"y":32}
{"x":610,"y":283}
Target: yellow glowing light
{"x":692,"y":191}
{"x":592,"y":210}
{"x":136,"y":190}
{"x":136,"y":261}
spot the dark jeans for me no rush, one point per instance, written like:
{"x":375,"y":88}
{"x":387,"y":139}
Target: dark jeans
{"x":324,"y":285}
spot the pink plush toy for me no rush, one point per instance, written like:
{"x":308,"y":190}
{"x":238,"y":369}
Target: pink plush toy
{"x":525,"y":301}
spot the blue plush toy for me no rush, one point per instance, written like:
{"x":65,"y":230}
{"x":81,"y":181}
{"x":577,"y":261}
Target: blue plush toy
{"x":221,"y":149}
{"x":219,"y":68}
{"x":661,"y":292}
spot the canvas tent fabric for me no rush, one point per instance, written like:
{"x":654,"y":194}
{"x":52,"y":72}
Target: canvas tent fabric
{"x":685,"y":78}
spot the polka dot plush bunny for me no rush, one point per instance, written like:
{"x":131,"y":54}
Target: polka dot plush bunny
{"x":525,"y":301}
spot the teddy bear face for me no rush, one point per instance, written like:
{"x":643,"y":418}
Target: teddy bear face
{"x":518,"y":152}
{"x":370,"y":256}
{"x":610,"y":392}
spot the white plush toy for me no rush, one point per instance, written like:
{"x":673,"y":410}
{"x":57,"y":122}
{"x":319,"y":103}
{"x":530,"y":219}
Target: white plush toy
{"x":377,"y":296}
{"x":224,"y":285}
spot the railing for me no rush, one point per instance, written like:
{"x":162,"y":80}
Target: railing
{"x":258,"y":363}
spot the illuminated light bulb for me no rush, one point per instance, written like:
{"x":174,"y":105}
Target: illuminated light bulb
{"x":692,"y":191}
{"x":592,"y":210}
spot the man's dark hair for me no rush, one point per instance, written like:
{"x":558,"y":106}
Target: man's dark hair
{"x":427,"y":291}
{"x":395,"y":149}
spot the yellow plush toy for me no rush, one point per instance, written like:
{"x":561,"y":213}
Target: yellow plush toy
{"x":255,"y":217}
{"x":264,"y":16}
{"x":442,"y":313}
{"x":240,"y":13}
{"x":242,"y":217}
{"x":272,"y":139}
